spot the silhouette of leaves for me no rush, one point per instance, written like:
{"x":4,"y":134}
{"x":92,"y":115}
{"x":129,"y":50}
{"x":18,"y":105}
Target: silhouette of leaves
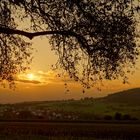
{"x":94,"y":39}
{"x":14,"y":51}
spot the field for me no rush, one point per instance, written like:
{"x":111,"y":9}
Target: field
{"x":116,"y":117}
{"x":68,"y":131}
{"x":86,"y":109}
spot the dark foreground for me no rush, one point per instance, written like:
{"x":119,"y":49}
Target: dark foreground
{"x":68,"y":131}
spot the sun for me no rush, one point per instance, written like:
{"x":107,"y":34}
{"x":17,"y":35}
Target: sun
{"x":30,"y":76}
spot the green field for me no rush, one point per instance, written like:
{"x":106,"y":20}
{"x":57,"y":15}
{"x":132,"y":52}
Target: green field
{"x":85,"y":109}
{"x":115,"y":117}
{"x":86,"y":119}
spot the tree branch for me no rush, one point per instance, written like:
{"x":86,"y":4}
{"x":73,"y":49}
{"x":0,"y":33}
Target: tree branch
{"x":80,"y":39}
{"x":5,"y":30}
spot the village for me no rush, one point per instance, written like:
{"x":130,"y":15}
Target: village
{"x":28,"y":113}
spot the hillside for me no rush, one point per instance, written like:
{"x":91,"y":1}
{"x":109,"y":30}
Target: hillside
{"x":131,"y":96}
{"x":126,"y":103}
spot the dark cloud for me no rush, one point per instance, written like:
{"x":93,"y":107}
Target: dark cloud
{"x":28,"y":81}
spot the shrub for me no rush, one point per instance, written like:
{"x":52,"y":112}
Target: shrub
{"x":126,"y":117}
{"x":108,"y":117}
{"x":118,"y":116}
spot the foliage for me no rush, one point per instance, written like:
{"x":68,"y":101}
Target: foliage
{"x":108,"y":117}
{"x":94,"y":40}
{"x":118,"y":116}
{"x":126,"y":117}
{"x":14,"y":51}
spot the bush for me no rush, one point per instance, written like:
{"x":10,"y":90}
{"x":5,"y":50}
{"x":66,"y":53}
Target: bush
{"x":118,"y":116}
{"x":108,"y":117}
{"x":126,"y":117}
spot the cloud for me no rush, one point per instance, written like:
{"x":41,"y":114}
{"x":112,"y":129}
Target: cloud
{"x":24,"y":78}
{"x":54,"y":77}
{"x":28,"y":81}
{"x":44,"y":78}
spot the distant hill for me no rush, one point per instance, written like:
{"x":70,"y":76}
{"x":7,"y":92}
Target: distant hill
{"x":131,"y":96}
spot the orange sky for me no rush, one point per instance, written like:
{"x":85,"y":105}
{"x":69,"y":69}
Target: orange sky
{"x":41,"y":83}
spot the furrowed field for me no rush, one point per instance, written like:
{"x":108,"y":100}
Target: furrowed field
{"x":68,"y":131}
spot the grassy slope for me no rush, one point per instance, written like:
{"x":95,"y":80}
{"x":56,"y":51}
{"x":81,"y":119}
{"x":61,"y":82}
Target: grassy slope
{"x":125,"y":102}
{"x":131,"y":96}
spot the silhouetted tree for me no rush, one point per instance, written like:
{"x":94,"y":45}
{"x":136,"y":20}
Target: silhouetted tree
{"x":94,"y":39}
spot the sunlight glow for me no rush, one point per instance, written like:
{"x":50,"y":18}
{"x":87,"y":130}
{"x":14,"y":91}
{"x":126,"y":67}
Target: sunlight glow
{"x":30,"y":76}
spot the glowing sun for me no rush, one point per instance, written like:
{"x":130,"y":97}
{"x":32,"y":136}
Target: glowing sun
{"x":30,"y":76}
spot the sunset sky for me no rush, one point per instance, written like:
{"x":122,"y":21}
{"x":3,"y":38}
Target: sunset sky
{"x":41,"y":83}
